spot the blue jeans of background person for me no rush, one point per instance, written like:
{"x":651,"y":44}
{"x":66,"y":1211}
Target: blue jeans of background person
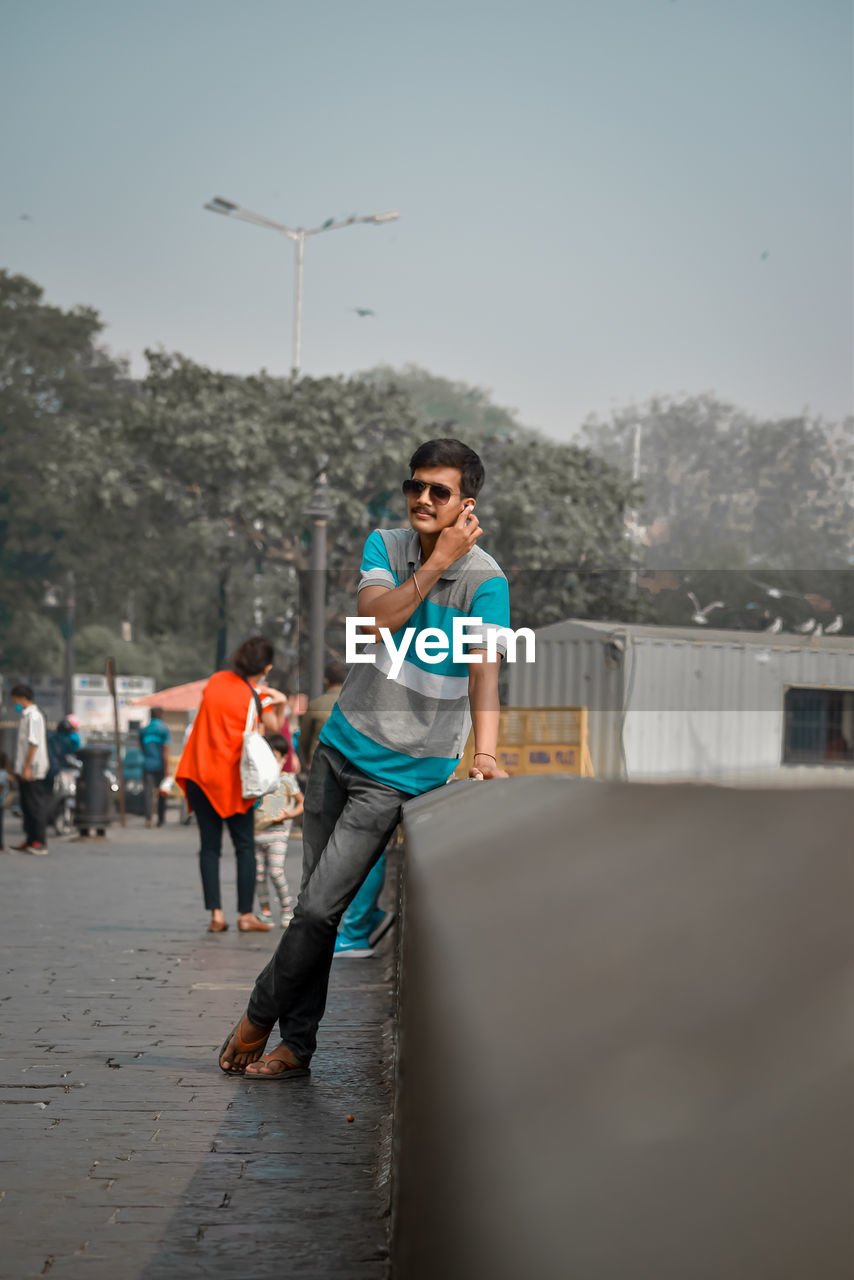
{"x":363,"y":915}
{"x":346,"y":826}
{"x":241,"y":829}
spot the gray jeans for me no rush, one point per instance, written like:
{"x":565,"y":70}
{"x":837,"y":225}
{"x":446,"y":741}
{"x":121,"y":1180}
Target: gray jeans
{"x":347,"y":823}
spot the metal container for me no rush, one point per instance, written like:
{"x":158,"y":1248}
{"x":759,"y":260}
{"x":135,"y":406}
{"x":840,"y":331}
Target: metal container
{"x":680,"y":702}
{"x":93,"y":805}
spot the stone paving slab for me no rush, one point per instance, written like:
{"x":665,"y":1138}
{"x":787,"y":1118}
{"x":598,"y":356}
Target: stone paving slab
{"x":124,"y":1151}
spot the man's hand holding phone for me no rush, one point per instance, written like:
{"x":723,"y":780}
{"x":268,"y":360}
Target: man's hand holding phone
{"x":458,"y":539}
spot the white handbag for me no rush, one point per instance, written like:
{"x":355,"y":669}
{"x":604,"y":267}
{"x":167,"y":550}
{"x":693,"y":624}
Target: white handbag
{"x":259,"y":769}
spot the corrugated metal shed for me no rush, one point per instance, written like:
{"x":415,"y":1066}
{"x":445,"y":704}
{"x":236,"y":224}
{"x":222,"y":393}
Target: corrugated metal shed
{"x":678,"y":701}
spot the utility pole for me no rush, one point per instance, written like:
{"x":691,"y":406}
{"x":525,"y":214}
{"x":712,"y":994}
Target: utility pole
{"x":68,"y":681}
{"x":318,"y":512}
{"x":636,"y":466}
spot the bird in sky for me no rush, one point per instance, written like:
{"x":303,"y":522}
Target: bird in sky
{"x":327,"y":223}
{"x":699,"y":615}
{"x":363,"y":311}
{"x":776,"y":593}
{"x":764,"y":254}
{"x":25,"y":217}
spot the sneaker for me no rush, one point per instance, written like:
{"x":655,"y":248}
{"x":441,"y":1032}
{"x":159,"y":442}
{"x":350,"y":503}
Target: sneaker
{"x":266,"y":915}
{"x":36,"y":847}
{"x":382,"y":928}
{"x":344,"y":949}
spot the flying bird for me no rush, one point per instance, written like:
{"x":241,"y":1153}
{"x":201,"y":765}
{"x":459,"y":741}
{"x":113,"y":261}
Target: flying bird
{"x":25,"y":217}
{"x":327,"y":223}
{"x":699,"y":615}
{"x":776,"y":593}
{"x":363,"y":311}
{"x":764,"y":254}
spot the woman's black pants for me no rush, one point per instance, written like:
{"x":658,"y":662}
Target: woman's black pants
{"x":241,"y":829}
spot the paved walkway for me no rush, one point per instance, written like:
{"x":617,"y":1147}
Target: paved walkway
{"x":124,"y":1151}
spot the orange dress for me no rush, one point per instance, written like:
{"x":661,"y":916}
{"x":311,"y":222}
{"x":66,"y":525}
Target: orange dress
{"x":211,"y":757}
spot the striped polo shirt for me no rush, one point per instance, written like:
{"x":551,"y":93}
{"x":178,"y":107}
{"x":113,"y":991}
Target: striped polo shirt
{"x":409,"y":732}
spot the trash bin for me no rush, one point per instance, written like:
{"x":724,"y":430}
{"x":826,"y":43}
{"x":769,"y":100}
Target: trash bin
{"x":93,"y":802}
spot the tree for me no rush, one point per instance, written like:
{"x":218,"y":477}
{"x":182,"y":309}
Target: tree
{"x":730,"y":501}
{"x":58,"y":394}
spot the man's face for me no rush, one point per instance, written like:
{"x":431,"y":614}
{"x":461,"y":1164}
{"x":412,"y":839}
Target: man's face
{"x":425,"y":513}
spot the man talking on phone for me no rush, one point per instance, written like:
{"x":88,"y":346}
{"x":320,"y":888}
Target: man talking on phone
{"x":397,"y":730}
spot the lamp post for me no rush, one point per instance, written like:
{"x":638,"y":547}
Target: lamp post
{"x":68,"y":633}
{"x":299,"y":235}
{"x":318,"y":512}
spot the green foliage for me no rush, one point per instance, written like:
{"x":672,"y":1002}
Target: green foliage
{"x":731,"y":502}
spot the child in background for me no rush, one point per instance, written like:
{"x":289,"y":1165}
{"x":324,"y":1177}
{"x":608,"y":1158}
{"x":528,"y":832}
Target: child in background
{"x":4,"y":791}
{"x":272,"y":829}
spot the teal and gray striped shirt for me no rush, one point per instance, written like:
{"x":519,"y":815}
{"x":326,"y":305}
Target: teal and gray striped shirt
{"x":409,"y":732}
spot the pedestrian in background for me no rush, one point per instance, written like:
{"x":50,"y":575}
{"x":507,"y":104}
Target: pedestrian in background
{"x":363,"y":923}
{"x":209,"y":775}
{"x":319,"y":710}
{"x":31,"y":766}
{"x":154,"y":739}
{"x":273,"y":819}
{"x":4,"y":791}
{"x":276,"y":678}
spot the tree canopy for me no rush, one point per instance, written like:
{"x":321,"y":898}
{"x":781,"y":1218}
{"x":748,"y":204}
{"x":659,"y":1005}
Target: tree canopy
{"x":757,"y":514}
{"x":178,"y":500}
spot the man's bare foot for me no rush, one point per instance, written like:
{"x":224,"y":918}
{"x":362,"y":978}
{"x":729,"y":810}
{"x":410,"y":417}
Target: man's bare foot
{"x":244,"y":1045}
{"x":277,"y":1063}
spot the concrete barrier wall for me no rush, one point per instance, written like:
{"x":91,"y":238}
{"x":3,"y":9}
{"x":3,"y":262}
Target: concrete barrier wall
{"x":627,"y":1042}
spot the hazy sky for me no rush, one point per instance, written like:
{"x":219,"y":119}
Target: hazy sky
{"x":600,"y":199}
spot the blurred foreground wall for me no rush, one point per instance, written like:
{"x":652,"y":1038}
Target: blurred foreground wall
{"x":627,"y":1034}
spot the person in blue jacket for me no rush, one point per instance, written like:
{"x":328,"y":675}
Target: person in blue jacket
{"x":154,"y":740}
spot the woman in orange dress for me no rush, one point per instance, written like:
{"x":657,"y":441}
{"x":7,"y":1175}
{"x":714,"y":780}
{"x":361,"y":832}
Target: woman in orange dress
{"x":209,"y":775}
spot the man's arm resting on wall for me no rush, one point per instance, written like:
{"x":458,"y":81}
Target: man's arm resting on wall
{"x":485,"y":710}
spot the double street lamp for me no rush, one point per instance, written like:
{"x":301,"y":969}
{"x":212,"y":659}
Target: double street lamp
{"x":299,"y":235}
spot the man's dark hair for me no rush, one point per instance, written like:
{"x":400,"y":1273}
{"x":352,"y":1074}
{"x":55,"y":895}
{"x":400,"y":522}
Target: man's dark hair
{"x":451,"y":453}
{"x":278,"y":742}
{"x":251,"y":657}
{"x":335,"y":673}
{"x":157,"y":713}
{"x":22,"y":691}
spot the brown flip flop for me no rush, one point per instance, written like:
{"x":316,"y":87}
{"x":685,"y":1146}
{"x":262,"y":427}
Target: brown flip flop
{"x":241,"y":1046}
{"x":291,"y":1071}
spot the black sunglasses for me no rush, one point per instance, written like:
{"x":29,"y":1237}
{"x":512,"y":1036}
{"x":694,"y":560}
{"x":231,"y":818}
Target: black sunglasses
{"x":440,"y":493}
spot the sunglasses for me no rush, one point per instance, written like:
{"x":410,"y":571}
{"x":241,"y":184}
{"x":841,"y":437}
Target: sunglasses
{"x":440,"y":493}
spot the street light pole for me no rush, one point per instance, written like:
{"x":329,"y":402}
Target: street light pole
{"x":318,"y":512}
{"x":68,"y":676}
{"x":299,"y":235}
{"x":299,"y":262}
